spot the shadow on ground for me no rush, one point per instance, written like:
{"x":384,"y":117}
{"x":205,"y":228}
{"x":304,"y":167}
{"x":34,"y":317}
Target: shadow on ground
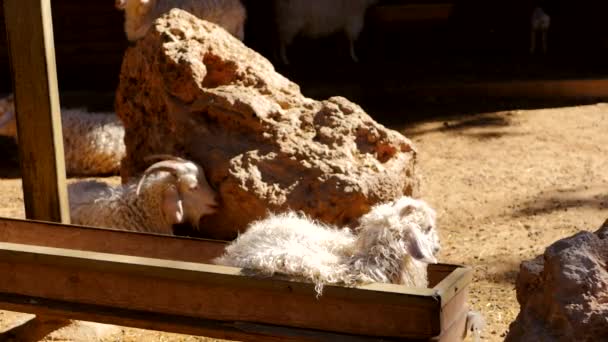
{"x":595,"y":197}
{"x":481,"y":127}
{"x":504,"y":271}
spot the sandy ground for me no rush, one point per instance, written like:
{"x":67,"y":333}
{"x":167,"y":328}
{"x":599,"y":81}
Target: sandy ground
{"x":505,"y":185}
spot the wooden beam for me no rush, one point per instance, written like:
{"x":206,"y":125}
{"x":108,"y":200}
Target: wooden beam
{"x":32,"y":55}
{"x":237,"y":331}
{"x":148,"y":245}
{"x":101,"y":240}
{"x":126,"y":286}
{"x":449,"y":283}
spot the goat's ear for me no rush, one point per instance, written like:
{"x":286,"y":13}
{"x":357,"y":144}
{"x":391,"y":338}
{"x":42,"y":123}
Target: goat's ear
{"x":419,"y":247}
{"x":408,"y":209}
{"x":172,"y":205}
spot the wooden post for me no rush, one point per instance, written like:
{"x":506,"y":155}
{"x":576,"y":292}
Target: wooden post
{"x":29,"y":31}
{"x":31,"y":47}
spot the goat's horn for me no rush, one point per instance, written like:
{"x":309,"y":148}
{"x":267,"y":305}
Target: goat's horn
{"x":166,"y":165}
{"x":163,"y":157}
{"x":6,"y":118}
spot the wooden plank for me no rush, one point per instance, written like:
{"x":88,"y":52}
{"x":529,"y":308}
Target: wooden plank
{"x":444,"y":278}
{"x":448,"y":280}
{"x":238,"y":331}
{"x":213,"y":293}
{"x":452,"y":310}
{"x":31,"y":47}
{"x":453,"y":292}
{"x":455,"y":332}
{"x":436,"y":272}
{"x":109,"y":241}
{"x":48,"y":234}
{"x":454,"y":284}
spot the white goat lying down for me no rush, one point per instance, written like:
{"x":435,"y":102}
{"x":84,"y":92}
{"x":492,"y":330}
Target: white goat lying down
{"x":171,"y":191}
{"x":140,"y":14}
{"x":93,"y":143}
{"x":394,"y":243}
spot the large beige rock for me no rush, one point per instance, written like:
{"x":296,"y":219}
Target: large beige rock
{"x":191,"y":89}
{"x":563,"y":294}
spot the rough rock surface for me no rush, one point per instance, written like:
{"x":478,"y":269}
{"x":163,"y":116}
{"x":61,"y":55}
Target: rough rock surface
{"x":563,"y":294}
{"x":191,"y":89}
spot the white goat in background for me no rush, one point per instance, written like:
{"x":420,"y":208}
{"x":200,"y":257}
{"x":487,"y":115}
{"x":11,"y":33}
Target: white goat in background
{"x":93,"y":142}
{"x":394,"y":244}
{"x":539,"y":24}
{"x":318,"y":18}
{"x":140,"y":14}
{"x":171,"y":191}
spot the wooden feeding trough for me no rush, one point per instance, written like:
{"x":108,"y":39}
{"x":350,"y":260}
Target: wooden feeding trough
{"x":162,"y":282}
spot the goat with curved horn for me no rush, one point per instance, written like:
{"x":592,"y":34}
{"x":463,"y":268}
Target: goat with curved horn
{"x":154,"y":203}
{"x":165,"y":165}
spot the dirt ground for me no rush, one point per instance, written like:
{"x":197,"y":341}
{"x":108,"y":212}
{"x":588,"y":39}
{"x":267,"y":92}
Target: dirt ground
{"x":505,"y":186}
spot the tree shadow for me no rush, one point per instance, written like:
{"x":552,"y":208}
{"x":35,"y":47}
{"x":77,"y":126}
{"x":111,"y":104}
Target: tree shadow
{"x":417,"y":110}
{"x":564,"y":199}
{"x":482,"y":127}
{"x":483,"y":136}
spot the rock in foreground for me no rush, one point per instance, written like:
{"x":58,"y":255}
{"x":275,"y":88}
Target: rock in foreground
{"x":563,"y":294}
{"x":191,"y":89}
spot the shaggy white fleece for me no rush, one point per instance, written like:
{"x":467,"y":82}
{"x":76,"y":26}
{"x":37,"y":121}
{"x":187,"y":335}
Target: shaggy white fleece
{"x":395,"y":242}
{"x":93,"y":142}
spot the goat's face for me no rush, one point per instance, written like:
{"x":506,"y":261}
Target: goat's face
{"x":198,"y":198}
{"x":188,"y":196}
{"x":406,"y":224}
{"x":425,"y":219}
{"x":422,"y":219}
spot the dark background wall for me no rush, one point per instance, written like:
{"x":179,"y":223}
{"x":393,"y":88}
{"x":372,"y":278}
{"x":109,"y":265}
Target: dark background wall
{"x":89,"y":44}
{"x":415,"y":39}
